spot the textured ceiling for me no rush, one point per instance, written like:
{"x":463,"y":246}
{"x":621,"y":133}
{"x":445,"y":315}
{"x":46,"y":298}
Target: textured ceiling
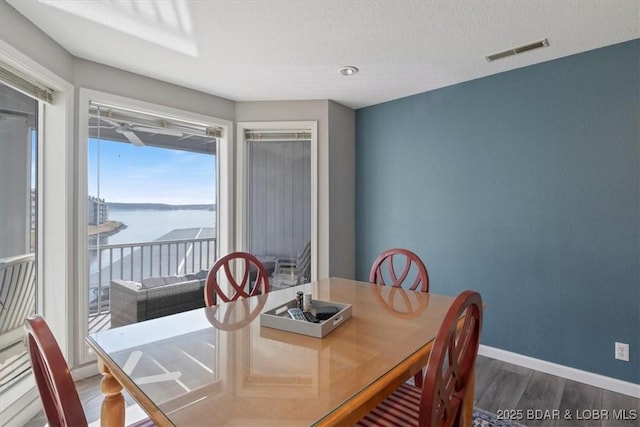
{"x":292,"y":50}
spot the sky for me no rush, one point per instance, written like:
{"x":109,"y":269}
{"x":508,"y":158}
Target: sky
{"x":131,"y":174}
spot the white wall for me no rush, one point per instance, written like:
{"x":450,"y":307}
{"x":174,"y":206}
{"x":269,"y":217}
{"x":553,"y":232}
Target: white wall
{"x":91,"y":75}
{"x":19,"y":32}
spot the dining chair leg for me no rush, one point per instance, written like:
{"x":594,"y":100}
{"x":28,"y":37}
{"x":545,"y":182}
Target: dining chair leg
{"x":112,"y":410}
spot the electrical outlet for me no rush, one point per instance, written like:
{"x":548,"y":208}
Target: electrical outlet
{"x":622,"y":351}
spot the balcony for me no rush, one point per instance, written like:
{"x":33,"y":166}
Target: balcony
{"x":177,"y":256}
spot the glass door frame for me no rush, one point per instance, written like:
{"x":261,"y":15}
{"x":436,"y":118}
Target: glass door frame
{"x":54,"y":265}
{"x":224,"y":197}
{"x":28,"y":174}
{"x":242,"y":242}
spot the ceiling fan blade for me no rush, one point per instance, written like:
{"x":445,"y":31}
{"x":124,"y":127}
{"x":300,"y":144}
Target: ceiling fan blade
{"x":162,"y":131}
{"x":103,"y":119}
{"x":131,"y":136}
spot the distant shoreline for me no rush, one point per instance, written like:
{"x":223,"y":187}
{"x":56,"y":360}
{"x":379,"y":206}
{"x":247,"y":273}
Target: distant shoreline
{"x":108,"y":228}
{"x":160,"y":206}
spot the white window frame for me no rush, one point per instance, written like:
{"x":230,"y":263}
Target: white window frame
{"x":54,"y":219}
{"x":224,"y":199}
{"x":241,"y":177}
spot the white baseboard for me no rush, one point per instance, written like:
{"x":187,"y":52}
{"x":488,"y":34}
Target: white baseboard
{"x":85,"y":371}
{"x":596,"y":380}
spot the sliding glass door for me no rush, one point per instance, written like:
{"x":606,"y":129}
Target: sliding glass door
{"x":18,"y":233}
{"x":151,"y":213}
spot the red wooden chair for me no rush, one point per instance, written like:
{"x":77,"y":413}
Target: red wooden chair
{"x":383,"y":270}
{"x":57,"y":390}
{"x":451,"y":362}
{"x":56,"y":387}
{"x":254,"y":279}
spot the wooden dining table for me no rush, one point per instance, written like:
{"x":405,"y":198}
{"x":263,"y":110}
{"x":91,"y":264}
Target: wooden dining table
{"x":219,"y":366}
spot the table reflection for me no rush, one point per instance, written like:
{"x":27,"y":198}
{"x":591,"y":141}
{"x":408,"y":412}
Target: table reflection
{"x":399,"y":302}
{"x":229,"y":317}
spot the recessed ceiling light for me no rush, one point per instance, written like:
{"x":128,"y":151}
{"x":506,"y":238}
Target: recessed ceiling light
{"x":349,"y":70}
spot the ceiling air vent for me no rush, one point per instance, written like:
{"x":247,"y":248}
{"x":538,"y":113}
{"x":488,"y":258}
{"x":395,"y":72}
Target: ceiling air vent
{"x":516,"y":50}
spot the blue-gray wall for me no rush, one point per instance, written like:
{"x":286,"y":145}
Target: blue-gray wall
{"x":525,"y":186}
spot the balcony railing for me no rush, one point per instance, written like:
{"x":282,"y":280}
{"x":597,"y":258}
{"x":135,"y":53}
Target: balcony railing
{"x":137,"y":261}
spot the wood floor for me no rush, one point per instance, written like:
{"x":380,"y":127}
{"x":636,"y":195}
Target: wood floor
{"x":501,"y":388}
{"x":510,"y":390}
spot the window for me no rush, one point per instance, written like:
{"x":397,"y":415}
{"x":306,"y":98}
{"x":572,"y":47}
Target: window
{"x":278,"y":187}
{"x":151,"y":206}
{"x":52,"y":144}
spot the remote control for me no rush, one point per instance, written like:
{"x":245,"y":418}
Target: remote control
{"x":296,"y":314}
{"x":310,"y":317}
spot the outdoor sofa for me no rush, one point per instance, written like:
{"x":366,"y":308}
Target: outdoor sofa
{"x":133,"y":302}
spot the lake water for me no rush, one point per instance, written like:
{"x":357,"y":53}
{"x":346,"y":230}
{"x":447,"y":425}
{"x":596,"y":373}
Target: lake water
{"x":146,"y":225}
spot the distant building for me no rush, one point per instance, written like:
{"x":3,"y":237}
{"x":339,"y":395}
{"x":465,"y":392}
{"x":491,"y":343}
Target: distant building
{"x":33,"y":209}
{"x":97,"y":211}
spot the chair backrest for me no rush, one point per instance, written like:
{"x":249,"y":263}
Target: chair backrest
{"x":303,"y":264}
{"x":451,"y":361}
{"x":17,"y":294}
{"x":254,"y":279}
{"x":294,"y":271}
{"x":53,"y":378}
{"x":383,"y":270}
